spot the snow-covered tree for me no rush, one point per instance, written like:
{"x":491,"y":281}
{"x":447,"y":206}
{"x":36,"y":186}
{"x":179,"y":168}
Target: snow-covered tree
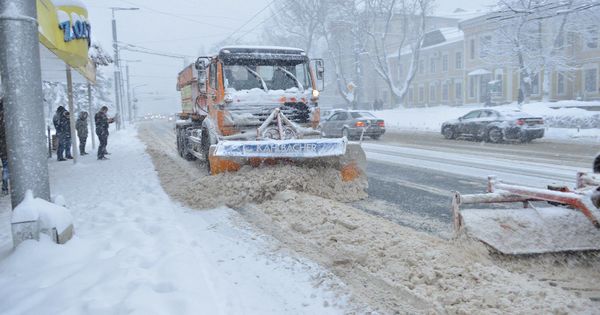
{"x":345,"y":37}
{"x":298,"y":21}
{"x":396,"y":26}
{"x":535,"y":37}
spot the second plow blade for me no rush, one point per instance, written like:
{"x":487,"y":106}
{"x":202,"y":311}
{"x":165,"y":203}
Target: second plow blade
{"x":531,"y":230}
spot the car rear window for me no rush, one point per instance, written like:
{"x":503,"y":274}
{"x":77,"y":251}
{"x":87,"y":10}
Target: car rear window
{"x":362,"y":115}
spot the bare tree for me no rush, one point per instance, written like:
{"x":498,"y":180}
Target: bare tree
{"x":534,"y":37}
{"x":346,"y":39}
{"x":298,"y":21}
{"x":406,"y":21}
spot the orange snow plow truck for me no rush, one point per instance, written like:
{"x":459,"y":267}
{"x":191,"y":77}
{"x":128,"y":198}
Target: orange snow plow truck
{"x":255,"y":106}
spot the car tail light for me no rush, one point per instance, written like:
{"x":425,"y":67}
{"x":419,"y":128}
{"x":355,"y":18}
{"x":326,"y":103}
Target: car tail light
{"x":520,"y":122}
{"x":360,"y":124}
{"x":381,"y":123}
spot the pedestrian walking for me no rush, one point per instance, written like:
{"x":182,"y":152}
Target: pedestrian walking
{"x":102,"y":122}
{"x":3,"y":151}
{"x":82,"y":131}
{"x":63,"y":133}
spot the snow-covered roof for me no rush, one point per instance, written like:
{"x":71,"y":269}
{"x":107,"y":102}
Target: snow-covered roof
{"x":437,"y":38}
{"x":461,"y":15}
{"x":257,"y":47}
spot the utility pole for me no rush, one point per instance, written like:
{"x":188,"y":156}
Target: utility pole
{"x":135,"y":106}
{"x":118,"y":77}
{"x":117,"y":70}
{"x":23,"y":100}
{"x":91,"y":115}
{"x":74,"y":148}
{"x":128,"y":94}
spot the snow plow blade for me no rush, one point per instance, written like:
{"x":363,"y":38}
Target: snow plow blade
{"x":556,"y":219}
{"x":531,"y":230}
{"x":348,"y":158}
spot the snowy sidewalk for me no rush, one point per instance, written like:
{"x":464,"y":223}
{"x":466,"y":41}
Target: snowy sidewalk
{"x":136,"y":251}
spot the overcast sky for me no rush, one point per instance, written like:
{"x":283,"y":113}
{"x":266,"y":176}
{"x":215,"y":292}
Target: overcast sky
{"x":184,"y":27}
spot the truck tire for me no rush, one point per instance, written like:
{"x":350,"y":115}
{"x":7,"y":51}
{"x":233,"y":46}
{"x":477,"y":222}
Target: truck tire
{"x":205,"y":146}
{"x":179,"y":144}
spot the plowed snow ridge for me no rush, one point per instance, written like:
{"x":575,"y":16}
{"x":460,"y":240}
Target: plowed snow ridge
{"x":393,"y":268}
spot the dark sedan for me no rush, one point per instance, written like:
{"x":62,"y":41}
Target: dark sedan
{"x":495,"y":126}
{"x":352,"y":124}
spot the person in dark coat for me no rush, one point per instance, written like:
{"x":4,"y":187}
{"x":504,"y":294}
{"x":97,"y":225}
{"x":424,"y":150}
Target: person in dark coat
{"x":82,"y":131}
{"x":102,"y":122}
{"x":3,"y":151}
{"x":63,"y":133}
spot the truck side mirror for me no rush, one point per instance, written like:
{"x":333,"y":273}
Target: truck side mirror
{"x":200,"y":65}
{"x":319,"y":68}
{"x":202,"y":80}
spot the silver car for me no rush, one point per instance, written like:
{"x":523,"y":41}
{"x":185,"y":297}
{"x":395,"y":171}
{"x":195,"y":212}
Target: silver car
{"x":351,"y":124}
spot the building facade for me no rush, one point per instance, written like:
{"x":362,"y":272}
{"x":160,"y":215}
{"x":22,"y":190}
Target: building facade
{"x":456,"y":67}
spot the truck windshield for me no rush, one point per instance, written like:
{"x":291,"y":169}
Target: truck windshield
{"x":276,"y":77}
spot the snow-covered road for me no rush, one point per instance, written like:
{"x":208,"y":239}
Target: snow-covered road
{"x":137,"y":252}
{"x":474,"y":164}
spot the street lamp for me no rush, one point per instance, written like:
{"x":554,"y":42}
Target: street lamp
{"x":135,"y":99}
{"x":118,"y":79}
{"x":129,"y":109}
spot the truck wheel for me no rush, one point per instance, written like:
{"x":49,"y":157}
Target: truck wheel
{"x":179,"y":144}
{"x":205,"y":147}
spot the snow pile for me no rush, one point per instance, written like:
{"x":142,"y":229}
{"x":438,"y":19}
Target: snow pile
{"x":565,"y":120}
{"x":260,"y":184}
{"x":137,"y":252}
{"x":49,"y":216}
{"x":400,"y":269}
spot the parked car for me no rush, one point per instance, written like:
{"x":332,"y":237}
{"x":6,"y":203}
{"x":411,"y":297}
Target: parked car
{"x":328,"y":112}
{"x":495,"y":126}
{"x":351,"y":124}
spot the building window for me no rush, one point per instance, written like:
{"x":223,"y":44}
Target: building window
{"x":421,"y":94}
{"x":445,"y":92}
{"x":432,"y":65}
{"x":591,"y":80}
{"x":458,"y":90}
{"x":484,"y":45}
{"x":421,"y":66}
{"x":432,"y":93}
{"x":411,"y":96}
{"x":445,"y":63}
{"x":472,"y":48}
{"x":560,"y":84}
{"x":498,"y":86}
{"x":591,"y":37}
{"x":472,"y":86}
{"x":535,"y":84}
{"x":458,"y":63}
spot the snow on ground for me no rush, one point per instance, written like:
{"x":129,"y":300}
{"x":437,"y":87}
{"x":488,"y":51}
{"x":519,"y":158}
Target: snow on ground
{"x":562,"y":118}
{"x":136,"y":251}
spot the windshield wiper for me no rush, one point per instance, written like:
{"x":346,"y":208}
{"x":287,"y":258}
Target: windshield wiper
{"x":262,"y":82}
{"x":291,"y":75}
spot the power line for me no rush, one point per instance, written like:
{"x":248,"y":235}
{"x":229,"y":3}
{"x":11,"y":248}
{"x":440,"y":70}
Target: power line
{"x":144,"y":50}
{"x":172,"y":14}
{"x":250,"y":20}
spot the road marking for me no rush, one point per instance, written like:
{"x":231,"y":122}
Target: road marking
{"x":409,"y":184}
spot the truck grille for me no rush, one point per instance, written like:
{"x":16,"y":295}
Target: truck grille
{"x":296,"y":112}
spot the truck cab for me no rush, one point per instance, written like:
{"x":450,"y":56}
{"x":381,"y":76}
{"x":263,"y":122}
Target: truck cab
{"x":240,"y":87}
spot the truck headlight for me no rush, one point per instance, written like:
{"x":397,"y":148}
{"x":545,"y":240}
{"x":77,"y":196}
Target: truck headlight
{"x":315,"y":93}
